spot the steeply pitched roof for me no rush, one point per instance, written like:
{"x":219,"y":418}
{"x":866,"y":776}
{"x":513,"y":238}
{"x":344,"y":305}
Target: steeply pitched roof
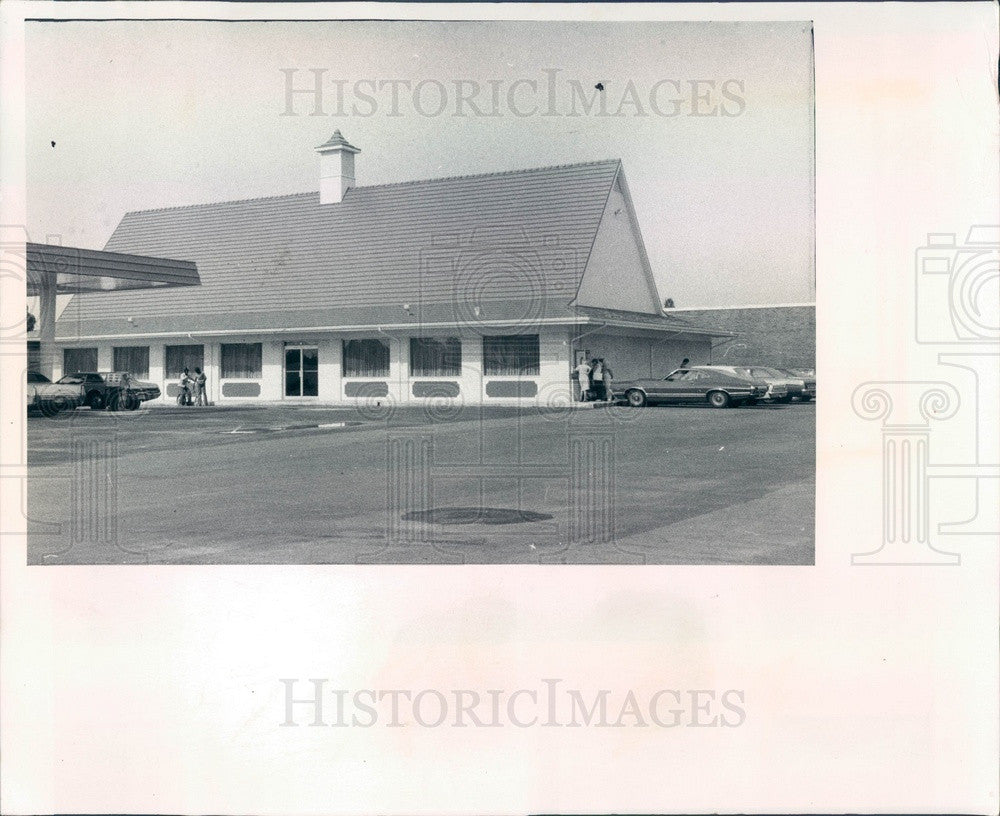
{"x":522,"y":235}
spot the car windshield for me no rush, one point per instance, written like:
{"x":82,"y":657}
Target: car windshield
{"x":35,"y":377}
{"x":71,"y":379}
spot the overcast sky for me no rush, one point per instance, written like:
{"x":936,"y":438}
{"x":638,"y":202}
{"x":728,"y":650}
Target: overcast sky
{"x":160,"y":114}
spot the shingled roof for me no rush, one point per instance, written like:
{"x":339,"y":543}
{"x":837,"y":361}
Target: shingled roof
{"x":513,"y":243}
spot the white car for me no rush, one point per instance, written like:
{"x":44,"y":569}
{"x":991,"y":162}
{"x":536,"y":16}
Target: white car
{"x":49,"y":397}
{"x":794,"y":386}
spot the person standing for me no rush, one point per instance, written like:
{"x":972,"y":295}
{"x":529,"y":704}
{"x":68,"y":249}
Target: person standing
{"x":607,"y":374}
{"x":199,"y":387}
{"x":583,"y":377}
{"x":597,"y":378}
{"x":186,"y":383}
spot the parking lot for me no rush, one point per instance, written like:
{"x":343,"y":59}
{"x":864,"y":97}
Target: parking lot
{"x":294,"y":485}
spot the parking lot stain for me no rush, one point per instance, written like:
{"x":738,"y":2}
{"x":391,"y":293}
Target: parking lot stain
{"x":475,"y":515}
{"x":278,"y":428}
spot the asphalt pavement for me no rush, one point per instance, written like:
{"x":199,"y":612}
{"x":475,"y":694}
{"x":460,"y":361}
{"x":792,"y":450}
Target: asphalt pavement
{"x":303,"y":484}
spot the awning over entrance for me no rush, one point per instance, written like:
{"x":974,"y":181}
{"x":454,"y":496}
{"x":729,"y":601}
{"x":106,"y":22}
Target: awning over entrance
{"x":70,"y":270}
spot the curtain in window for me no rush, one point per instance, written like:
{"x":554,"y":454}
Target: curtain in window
{"x":511,"y":355}
{"x":435,"y":357}
{"x":366,"y":358}
{"x":241,"y":361}
{"x":79,"y":359}
{"x":180,"y":357}
{"x":133,"y":359}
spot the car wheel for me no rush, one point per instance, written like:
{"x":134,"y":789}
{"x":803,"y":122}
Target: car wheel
{"x":785,"y":399}
{"x":95,"y":400}
{"x":718,"y":399}
{"x":805,"y":398}
{"x":133,"y":402}
{"x":635,"y":398}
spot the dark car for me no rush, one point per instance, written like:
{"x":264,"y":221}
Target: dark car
{"x":115,"y":390}
{"x":696,"y":384}
{"x":808,"y":377}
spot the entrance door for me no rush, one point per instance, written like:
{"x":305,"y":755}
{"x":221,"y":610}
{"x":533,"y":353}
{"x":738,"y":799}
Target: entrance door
{"x":301,"y":371}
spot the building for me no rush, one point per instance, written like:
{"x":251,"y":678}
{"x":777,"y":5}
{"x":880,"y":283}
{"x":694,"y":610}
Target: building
{"x":55,"y":271}
{"x":483,"y":289}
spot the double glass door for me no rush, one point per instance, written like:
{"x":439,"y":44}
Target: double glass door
{"x":301,"y":371}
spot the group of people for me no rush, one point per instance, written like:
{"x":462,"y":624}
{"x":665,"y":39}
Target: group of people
{"x":193,"y":388}
{"x":595,"y":379}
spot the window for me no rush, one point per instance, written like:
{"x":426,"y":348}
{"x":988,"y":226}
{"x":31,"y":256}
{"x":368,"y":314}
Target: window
{"x":510,"y":355}
{"x":79,"y":359}
{"x":133,"y":359}
{"x":366,"y":358}
{"x":435,"y":357}
{"x":180,"y":357}
{"x":241,"y":361}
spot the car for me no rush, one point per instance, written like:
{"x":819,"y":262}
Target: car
{"x":49,"y":397}
{"x":115,"y":390}
{"x":719,"y":387}
{"x":781,"y":387}
{"x":808,"y":377}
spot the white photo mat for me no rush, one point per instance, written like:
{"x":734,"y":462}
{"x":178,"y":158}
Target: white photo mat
{"x":866,"y":684}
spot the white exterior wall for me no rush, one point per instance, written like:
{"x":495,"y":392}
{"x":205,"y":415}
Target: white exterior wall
{"x":157,"y":364}
{"x":616,"y":276}
{"x":272,"y":361}
{"x":399,"y":369}
{"x":211,"y":367}
{"x":471,"y":381}
{"x":105,"y":357}
{"x":629,"y":357}
{"x":331,"y":381}
{"x":632,"y":357}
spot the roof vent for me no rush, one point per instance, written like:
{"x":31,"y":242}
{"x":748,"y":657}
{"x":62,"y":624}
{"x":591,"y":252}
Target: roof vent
{"x":336,"y":168}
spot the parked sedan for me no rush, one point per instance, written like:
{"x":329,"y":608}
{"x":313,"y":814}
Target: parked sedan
{"x":782,"y":387}
{"x":49,"y":397}
{"x":718,"y":387}
{"x":808,"y":377}
{"x":114,"y":390}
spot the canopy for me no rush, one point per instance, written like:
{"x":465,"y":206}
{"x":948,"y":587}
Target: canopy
{"x":70,"y":270}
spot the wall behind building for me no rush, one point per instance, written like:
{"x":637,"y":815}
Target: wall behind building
{"x":770,"y":335}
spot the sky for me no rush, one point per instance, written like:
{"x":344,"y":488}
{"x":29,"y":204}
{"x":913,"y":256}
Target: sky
{"x":713,"y":122}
